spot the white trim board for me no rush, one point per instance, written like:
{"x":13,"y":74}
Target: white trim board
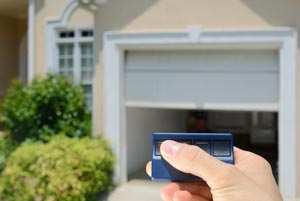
{"x":267,"y":107}
{"x":31,"y":41}
{"x":282,"y":39}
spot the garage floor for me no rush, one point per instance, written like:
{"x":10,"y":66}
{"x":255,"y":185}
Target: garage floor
{"x":140,"y":175}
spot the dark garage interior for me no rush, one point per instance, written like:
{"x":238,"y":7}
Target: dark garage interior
{"x":253,"y":131}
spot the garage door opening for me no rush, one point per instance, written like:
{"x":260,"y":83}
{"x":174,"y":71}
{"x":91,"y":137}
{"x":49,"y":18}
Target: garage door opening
{"x":225,"y":70}
{"x":207,"y":79}
{"x":253,"y":131}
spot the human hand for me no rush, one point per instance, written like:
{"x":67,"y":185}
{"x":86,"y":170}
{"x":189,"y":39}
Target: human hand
{"x":249,"y":179}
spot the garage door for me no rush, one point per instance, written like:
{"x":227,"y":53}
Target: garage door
{"x":202,"y":77}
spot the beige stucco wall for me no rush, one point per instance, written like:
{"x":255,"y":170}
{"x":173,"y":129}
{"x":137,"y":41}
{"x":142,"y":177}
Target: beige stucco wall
{"x":160,"y":15}
{"x":45,"y":10}
{"x":81,"y":18}
{"x":10,"y":36}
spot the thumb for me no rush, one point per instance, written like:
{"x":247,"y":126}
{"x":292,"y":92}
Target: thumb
{"x":193,"y":160}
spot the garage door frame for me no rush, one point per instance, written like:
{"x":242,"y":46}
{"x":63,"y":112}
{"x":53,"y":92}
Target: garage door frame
{"x":283,"y":39}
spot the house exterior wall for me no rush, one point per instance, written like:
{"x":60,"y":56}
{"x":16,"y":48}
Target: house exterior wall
{"x":168,"y":15}
{"x":11,"y":34}
{"x":82,"y":18}
{"x":45,"y":10}
{"x":163,"y":15}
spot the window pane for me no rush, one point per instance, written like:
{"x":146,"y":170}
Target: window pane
{"x":87,"y":88}
{"x":70,"y":49}
{"x":87,"y":33}
{"x":87,"y":75}
{"x":66,"y":60}
{"x":61,"y":50}
{"x":62,"y":34}
{"x":62,"y":63}
{"x":89,"y":62}
{"x":86,"y":62}
{"x":66,"y":34}
{"x":70,"y":63}
{"x":83,"y":49}
{"x":88,"y":94}
{"x":71,"y":34}
{"x":89,"y":50}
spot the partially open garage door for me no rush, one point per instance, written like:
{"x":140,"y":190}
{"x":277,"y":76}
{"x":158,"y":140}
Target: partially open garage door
{"x":120,"y":48}
{"x":192,"y":79}
{"x":203,"y":79}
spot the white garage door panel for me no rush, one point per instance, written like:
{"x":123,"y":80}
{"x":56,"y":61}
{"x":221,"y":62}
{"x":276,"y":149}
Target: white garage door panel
{"x":201,"y":88}
{"x":202,"y":77}
{"x":203,"y":60}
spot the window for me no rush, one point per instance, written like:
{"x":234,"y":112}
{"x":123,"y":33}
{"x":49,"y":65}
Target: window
{"x":75,"y":58}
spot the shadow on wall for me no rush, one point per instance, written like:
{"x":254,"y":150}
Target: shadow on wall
{"x":277,"y":12}
{"x":124,"y":14}
{"x":39,"y":5}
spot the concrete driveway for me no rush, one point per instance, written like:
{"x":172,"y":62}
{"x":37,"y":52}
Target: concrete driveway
{"x":144,"y":190}
{"x":137,"y":190}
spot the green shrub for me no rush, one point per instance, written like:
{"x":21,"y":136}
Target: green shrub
{"x":62,"y":169}
{"x":7,"y":146}
{"x":44,"y":108}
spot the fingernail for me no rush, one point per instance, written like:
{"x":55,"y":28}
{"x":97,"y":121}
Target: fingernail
{"x":169,"y":148}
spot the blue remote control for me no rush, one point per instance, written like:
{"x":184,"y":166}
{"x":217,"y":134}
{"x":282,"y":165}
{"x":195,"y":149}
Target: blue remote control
{"x":218,"y":145}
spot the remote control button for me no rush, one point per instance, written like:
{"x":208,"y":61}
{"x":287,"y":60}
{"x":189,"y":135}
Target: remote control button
{"x":222,"y":148}
{"x":184,"y":141}
{"x":204,"y":145}
{"x":157,"y":147}
{"x":160,"y":141}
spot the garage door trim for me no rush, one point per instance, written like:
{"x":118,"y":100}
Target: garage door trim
{"x":282,"y":39}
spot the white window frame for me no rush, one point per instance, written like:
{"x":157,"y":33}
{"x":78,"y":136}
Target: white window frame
{"x":76,"y":41}
{"x":31,"y":40}
{"x":284,"y":40}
